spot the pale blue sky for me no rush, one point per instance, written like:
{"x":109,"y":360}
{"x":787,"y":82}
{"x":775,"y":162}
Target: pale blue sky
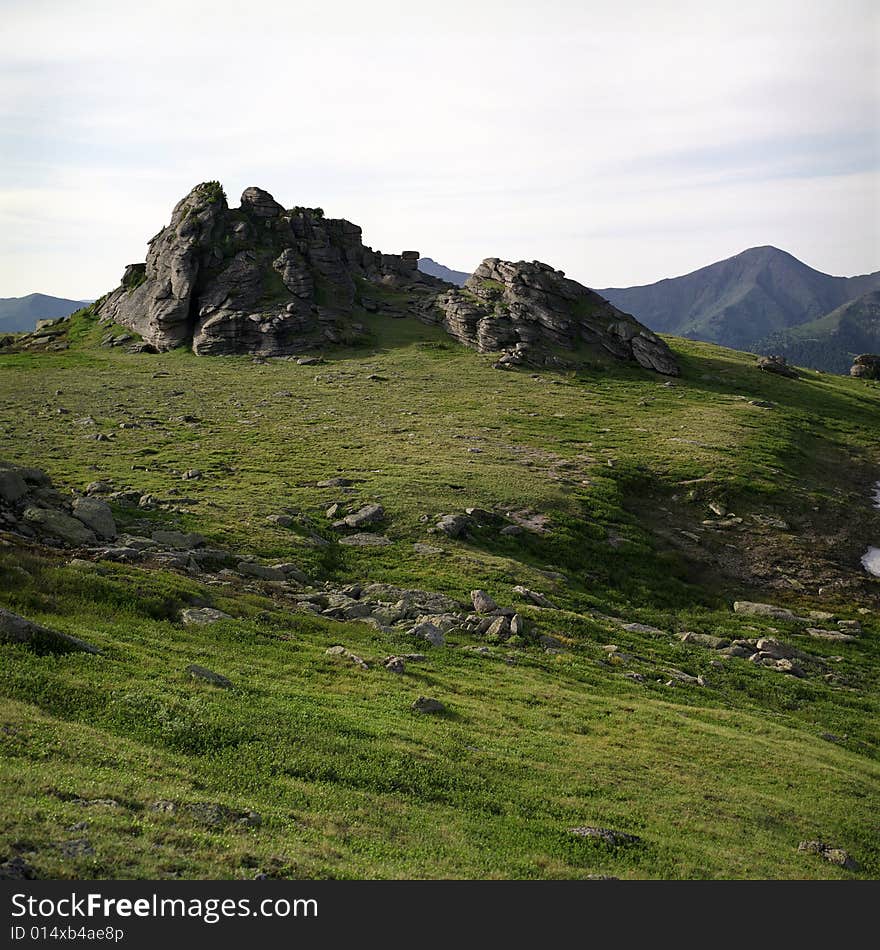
{"x":620,"y":142}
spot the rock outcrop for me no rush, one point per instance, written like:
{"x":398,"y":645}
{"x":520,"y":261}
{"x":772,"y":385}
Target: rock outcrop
{"x":266,"y":281}
{"x":528,"y":310}
{"x":866,"y":366}
{"x":255,"y":279}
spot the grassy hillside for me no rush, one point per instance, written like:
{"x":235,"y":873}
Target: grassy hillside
{"x":21,"y":313}
{"x":717,"y":780}
{"x":832,"y":342}
{"x":741,"y":301}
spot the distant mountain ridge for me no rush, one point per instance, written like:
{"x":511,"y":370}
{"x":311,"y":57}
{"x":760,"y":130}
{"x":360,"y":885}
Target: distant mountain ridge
{"x":20,"y":314}
{"x":742,"y":301}
{"x":429,"y":266}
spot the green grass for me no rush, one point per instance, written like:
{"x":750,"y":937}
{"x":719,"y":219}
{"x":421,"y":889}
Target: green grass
{"x":721,"y":781}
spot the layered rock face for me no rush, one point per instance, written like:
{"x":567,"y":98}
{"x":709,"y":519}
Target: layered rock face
{"x":530,"y":309}
{"x":267,"y":281}
{"x":255,"y":279}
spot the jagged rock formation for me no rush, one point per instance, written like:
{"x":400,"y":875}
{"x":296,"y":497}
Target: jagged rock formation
{"x":256,"y":279}
{"x":267,"y":281}
{"x":527,"y":309}
{"x":866,"y":366}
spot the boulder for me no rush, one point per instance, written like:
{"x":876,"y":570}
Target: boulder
{"x":866,"y":366}
{"x":751,"y":609}
{"x":57,"y":524}
{"x":482,"y":602}
{"x":368,"y":515}
{"x":778,"y":366}
{"x":95,"y":514}
{"x":426,"y":705}
{"x":12,"y":484}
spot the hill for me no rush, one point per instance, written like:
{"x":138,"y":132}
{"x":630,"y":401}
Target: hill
{"x":392,"y":608}
{"x":831,"y":342}
{"x":429,"y":266}
{"x":741,"y":301}
{"x":20,"y":314}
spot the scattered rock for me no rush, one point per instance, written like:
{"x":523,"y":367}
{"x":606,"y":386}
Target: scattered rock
{"x":427,"y":549}
{"x":613,"y":838}
{"x":348,"y":655}
{"x":539,"y":600}
{"x":260,"y":571}
{"x":394,"y":664}
{"x":17,"y":869}
{"x":57,"y":524}
{"x":835,"y":855}
{"x":425,"y":705}
{"x":751,"y":609}
{"x":202,"y":615}
{"x":365,"y":540}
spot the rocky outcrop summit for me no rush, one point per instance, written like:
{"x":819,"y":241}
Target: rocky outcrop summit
{"x":530,"y":309}
{"x":255,"y":279}
{"x":866,"y":366}
{"x":267,"y":281}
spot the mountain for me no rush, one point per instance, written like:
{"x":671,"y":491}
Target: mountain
{"x":21,"y":313}
{"x":742,"y":300}
{"x":267,"y":281}
{"x":831,"y":342}
{"x":429,"y":266}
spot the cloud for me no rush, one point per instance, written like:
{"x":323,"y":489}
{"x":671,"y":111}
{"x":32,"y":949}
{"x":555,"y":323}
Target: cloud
{"x":620,"y":142}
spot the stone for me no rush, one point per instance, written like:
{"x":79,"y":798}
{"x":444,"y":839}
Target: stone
{"x":282,"y":521}
{"x":178,"y":540}
{"x":16,"y":629}
{"x":613,"y":838}
{"x":335,"y":483}
{"x":835,"y":855}
{"x":202,"y":615}
{"x":866,"y":366}
{"x":517,"y":625}
{"x":705,"y":640}
{"x":427,"y":549}
{"x":752,"y":609}
{"x":429,"y":631}
{"x":482,"y":602}
{"x":345,"y":653}
{"x":99,"y":488}
{"x":550,"y":642}
{"x":777,"y":365}
{"x":453,"y":526}
{"x":394,"y":664}
{"x":836,"y":635}
{"x":429,"y":706}
{"x":17,"y":869}
{"x":539,"y":600}
{"x":95,"y":514}
{"x":368,"y":515}
{"x":365,"y":540}
{"x":208,"y":676}
{"x":12,"y":485}
{"x":499,"y":629}
{"x":260,"y":571}
{"x":56,"y":524}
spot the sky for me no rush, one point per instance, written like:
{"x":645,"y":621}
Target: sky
{"x":620,"y":142}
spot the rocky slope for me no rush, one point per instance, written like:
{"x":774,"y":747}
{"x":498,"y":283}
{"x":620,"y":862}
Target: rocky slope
{"x":267,"y":281}
{"x":529,"y":309}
